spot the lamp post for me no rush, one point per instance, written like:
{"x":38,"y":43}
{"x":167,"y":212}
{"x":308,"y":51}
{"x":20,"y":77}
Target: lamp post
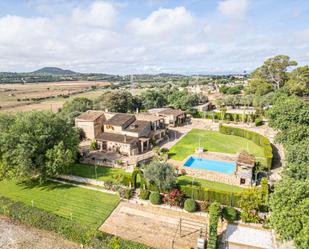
{"x":192,"y":187}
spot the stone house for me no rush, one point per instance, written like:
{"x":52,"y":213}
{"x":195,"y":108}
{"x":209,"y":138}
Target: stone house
{"x":172,"y":117}
{"x":126,"y":133}
{"x":91,"y":122}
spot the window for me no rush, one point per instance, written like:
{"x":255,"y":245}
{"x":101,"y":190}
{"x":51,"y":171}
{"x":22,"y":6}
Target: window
{"x":242,"y":181}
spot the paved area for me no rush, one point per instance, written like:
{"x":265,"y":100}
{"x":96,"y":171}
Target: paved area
{"x":17,"y":236}
{"x":249,"y":237}
{"x":154,"y":226}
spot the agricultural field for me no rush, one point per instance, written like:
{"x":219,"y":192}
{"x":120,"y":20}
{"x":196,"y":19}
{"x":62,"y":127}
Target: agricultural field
{"x":87,"y":207}
{"x":25,"y":97}
{"x":212,"y":141}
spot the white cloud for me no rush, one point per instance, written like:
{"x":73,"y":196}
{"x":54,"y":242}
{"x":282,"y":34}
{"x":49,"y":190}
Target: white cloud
{"x":98,"y":14}
{"x":234,"y":9}
{"x":196,"y":49}
{"x":163,"y":22}
{"x":101,"y":37}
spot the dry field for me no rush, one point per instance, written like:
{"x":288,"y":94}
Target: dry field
{"x":18,"y":97}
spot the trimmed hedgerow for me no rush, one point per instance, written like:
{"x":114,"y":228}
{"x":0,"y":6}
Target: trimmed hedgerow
{"x":190,"y":205}
{"x":254,"y":137}
{"x":155,"y":198}
{"x":144,"y":194}
{"x":211,"y":195}
{"x":214,"y":215}
{"x":137,"y":171}
{"x":234,"y":117}
{"x":69,"y":229}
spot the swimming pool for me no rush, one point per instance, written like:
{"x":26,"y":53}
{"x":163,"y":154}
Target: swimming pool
{"x":203,"y":163}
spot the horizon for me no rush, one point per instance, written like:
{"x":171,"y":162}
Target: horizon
{"x":151,"y":37}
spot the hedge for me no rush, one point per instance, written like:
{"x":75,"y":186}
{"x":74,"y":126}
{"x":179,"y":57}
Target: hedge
{"x":190,"y":205}
{"x":137,"y":171}
{"x":229,"y":213}
{"x":144,"y":194}
{"x":254,"y":137}
{"x":214,"y":215}
{"x":211,"y":195}
{"x":69,"y":229}
{"x":155,"y":198}
{"x":235,"y":117}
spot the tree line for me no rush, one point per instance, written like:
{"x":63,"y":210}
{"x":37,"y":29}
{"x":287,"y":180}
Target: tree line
{"x":290,"y":201}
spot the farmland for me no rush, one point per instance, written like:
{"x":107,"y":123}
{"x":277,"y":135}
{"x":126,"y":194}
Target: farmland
{"x":42,"y":96}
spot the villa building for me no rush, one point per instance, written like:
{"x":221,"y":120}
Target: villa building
{"x":126,"y":134}
{"x":91,"y":122}
{"x":172,"y":117}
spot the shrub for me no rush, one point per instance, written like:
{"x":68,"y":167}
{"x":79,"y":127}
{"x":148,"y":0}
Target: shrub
{"x":229,"y":213}
{"x":258,"y":122}
{"x":144,"y":194}
{"x":214,"y":214}
{"x":125,"y":193}
{"x":174,"y":198}
{"x":155,"y":198}
{"x":190,"y":205}
{"x":254,"y":137}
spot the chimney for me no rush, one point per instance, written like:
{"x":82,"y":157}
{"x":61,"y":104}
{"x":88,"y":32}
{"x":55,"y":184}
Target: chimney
{"x":125,"y":138}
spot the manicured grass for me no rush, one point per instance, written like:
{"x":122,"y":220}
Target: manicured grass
{"x":187,"y":180}
{"x":86,"y":206}
{"x":212,"y":141}
{"x":103,"y":173}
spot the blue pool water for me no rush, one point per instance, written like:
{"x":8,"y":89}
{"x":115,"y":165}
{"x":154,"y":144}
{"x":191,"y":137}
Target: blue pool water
{"x":203,"y":163}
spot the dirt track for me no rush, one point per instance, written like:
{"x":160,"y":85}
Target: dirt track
{"x":16,"y":236}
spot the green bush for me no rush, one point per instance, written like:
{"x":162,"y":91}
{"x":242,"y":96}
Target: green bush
{"x":137,"y":171}
{"x":258,"y":122}
{"x":190,"y":205}
{"x":69,"y":229}
{"x":125,"y":193}
{"x":214,"y":215}
{"x":144,"y":194}
{"x":211,"y":195}
{"x":155,"y":198}
{"x":230,"y":214}
{"x":254,"y":137}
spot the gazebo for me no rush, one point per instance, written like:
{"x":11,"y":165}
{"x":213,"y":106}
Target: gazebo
{"x":245,"y":164}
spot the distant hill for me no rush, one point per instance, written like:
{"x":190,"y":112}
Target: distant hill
{"x":54,"y":70}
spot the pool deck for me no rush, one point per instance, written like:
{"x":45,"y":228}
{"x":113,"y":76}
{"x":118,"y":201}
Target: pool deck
{"x":209,"y":174}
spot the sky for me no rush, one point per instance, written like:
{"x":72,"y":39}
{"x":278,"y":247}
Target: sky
{"x":151,"y":36}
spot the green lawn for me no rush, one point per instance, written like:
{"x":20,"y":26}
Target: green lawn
{"x":212,"y":141}
{"x":86,"y":206}
{"x":103,"y":173}
{"x":187,"y":180}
